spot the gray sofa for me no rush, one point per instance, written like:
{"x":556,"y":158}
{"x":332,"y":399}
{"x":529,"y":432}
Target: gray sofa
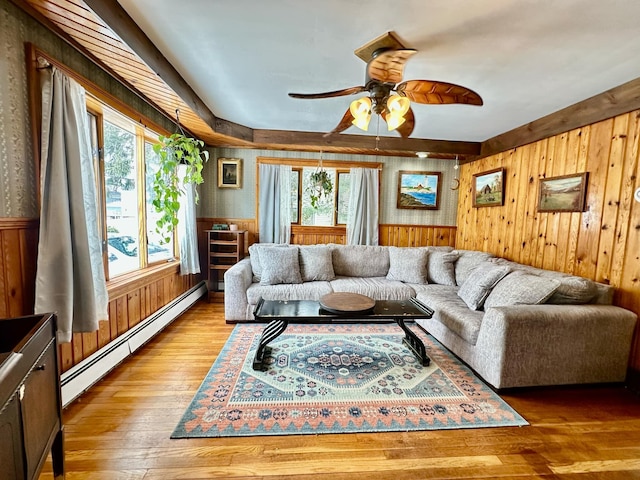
{"x":515,"y":325}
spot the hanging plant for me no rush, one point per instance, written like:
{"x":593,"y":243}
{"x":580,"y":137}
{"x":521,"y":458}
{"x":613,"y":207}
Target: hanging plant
{"x":320,"y":186}
{"x":174,"y":150}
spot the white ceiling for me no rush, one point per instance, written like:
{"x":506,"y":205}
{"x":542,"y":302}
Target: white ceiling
{"x":526,"y":58}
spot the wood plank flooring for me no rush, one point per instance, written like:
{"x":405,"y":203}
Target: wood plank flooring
{"x":120,"y":428}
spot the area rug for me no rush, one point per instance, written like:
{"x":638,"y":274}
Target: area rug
{"x":338,"y":378}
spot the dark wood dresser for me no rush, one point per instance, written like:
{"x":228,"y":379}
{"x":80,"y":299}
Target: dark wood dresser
{"x":30,"y":401}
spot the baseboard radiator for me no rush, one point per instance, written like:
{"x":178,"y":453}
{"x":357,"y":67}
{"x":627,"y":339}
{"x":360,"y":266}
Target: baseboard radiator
{"x":82,"y":376}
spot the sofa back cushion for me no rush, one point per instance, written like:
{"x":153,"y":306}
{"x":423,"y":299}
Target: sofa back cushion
{"x":280,"y":265}
{"x":360,"y":260}
{"x":480,"y":282}
{"x":254,"y":256}
{"x":441,"y":267}
{"x":521,"y":288}
{"x":467,"y":261}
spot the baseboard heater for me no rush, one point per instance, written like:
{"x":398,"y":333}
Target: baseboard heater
{"x":80,"y":377}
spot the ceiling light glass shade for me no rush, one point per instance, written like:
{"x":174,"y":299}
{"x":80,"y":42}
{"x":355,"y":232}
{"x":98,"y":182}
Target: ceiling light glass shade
{"x":394,"y":120}
{"x":361,"y":111}
{"x":398,"y":105}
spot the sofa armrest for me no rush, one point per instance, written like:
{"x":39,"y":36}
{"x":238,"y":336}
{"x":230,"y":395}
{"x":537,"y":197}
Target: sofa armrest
{"x":588,"y":342}
{"x":236,"y":282}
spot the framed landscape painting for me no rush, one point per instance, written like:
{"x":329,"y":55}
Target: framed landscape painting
{"x":488,"y":188}
{"x":229,"y":173}
{"x":566,"y":193}
{"x":420,"y":190}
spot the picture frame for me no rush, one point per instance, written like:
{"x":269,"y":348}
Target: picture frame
{"x":488,"y":188}
{"x":565,"y":193}
{"x":229,"y":173}
{"x":419,"y":190}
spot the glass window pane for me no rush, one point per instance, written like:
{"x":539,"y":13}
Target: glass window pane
{"x":295,"y":191}
{"x":323,"y":215}
{"x":156,"y":250}
{"x":121,"y":199}
{"x":344,"y":189}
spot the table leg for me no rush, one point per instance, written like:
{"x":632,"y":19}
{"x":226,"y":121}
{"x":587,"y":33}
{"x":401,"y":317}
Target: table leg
{"x":413,"y":342}
{"x":272,"y":331}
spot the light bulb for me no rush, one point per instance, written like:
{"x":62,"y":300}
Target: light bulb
{"x":361,"y":111}
{"x":398,"y":105}
{"x":394,"y":120}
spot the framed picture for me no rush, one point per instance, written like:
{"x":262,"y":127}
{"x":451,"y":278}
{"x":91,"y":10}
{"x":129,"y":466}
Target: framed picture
{"x":229,"y":172}
{"x":419,"y":190}
{"x":566,"y":193}
{"x":488,"y":188}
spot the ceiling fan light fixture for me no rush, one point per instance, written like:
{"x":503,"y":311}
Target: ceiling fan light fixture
{"x":394,"y":120}
{"x":361,"y":111}
{"x":397,"y":105}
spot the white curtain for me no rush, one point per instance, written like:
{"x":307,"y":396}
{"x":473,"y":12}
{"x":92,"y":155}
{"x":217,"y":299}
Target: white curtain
{"x":187,"y":229}
{"x":70,"y":276}
{"x":275,"y":203}
{"x":362,"y":221}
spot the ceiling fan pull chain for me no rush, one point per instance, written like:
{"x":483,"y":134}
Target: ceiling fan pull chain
{"x":378,"y":133}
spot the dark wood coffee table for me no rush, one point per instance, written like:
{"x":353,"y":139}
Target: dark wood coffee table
{"x":279,"y":313}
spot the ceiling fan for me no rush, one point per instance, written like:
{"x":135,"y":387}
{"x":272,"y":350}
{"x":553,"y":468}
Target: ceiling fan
{"x":389,"y":96}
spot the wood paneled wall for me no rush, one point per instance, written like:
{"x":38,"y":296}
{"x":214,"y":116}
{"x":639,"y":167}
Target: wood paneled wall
{"x":19,"y":245}
{"x":602,"y":243}
{"x":130,"y":300}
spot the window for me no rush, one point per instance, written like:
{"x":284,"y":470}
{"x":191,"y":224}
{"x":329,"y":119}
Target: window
{"x":125,"y":177}
{"x":332,"y":210}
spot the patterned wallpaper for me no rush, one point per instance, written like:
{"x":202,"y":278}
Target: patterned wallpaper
{"x":241,"y":203}
{"x":17,"y":170}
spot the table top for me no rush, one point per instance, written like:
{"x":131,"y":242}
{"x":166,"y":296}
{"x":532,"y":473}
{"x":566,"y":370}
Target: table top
{"x":311,"y":310}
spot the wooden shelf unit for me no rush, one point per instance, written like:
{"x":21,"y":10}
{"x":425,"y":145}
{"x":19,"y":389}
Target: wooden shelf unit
{"x":225,"y":248}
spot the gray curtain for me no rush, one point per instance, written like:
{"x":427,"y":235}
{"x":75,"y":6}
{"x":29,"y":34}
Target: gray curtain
{"x":275,"y":203}
{"x":362,"y":221}
{"x":187,"y":228}
{"x":70,"y":276}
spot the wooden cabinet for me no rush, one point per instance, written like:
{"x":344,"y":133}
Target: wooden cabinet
{"x":30,"y":401}
{"x":225,"y":248}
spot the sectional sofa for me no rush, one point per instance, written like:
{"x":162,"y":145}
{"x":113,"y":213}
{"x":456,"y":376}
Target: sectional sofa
{"x":515,"y":325}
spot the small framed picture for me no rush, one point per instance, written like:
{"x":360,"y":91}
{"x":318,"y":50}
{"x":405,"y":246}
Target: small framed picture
{"x":420,"y":190}
{"x":488,"y":188}
{"x":229,"y":173}
{"x":566,"y":193}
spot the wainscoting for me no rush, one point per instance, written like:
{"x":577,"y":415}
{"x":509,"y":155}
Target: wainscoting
{"x":602,"y":243}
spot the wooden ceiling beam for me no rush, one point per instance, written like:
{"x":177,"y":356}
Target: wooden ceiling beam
{"x":407,"y":146}
{"x":131,"y":34}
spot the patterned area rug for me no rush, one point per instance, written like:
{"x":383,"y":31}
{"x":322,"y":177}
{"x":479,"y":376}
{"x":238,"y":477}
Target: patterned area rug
{"x":338,"y":379}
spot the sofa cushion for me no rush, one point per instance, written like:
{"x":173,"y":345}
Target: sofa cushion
{"x":297,"y":291}
{"x":574,"y":291}
{"x":360,"y":260}
{"x":521,"y":288}
{"x":316,"y":263}
{"x":441,"y":267}
{"x":467,"y":261}
{"x":378,"y":288}
{"x":451,"y":311}
{"x":408,"y":264}
{"x":254,"y":256}
{"x":279,"y":265}
{"x":476,"y":288}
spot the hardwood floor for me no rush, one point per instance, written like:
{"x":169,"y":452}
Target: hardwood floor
{"x":120,"y":430}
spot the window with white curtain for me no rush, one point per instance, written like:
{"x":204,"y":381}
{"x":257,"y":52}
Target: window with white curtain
{"x":125,"y":170}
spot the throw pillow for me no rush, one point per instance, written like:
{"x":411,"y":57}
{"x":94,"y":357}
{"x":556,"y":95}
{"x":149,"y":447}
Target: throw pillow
{"x":408,"y":265}
{"x":476,"y":288}
{"x":441,"y":267}
{"x":521,"y":288}
{"x":279,"y":265}
{"x":254,"y":257}
{"x":316,"y":263}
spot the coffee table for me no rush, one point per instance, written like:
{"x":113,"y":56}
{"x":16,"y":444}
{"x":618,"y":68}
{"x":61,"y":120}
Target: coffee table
{"x":279,"y":313}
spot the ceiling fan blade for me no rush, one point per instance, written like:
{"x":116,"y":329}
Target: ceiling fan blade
{"x":343,"y":125}
{"x":335,"y":93}
{"x":406,"y":129}
{"x":437,"y":93}
{"x":388,"y":67}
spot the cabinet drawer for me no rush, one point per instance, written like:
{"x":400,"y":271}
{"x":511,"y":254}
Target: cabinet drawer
{"x":40,"y":409}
